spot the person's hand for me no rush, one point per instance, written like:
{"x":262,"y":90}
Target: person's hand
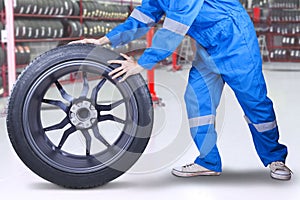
{"x":128,"y":67}
{"x":101,"y":41}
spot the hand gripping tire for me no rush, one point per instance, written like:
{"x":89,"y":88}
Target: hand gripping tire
{"x":72,"y":134}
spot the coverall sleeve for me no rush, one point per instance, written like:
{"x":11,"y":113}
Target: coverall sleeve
{"x":179,"y":17}
{"x":138,"y":23}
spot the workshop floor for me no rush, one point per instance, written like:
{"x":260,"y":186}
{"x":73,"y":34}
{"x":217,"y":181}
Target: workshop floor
{"x":243,"y":177}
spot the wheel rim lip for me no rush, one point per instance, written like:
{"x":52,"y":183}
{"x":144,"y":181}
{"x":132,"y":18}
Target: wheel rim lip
{"x":36,"y":148}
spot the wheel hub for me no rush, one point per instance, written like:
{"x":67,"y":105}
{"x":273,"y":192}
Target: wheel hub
{"x":83,"y":114}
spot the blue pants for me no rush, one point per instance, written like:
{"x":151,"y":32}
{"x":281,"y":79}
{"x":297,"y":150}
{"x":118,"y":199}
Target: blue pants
{"x":233,"y":59}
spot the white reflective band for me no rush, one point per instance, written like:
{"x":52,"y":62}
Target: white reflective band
{"x":262,"y":127}
{"x":138,"y":15}
{"x":175,"y":26}
{"x":201,"y":121}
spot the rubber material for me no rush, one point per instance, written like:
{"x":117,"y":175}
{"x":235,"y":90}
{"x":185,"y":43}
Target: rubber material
{"x":1,"y":5}
{"x":2,"y":57}
{"x":21,"y":137}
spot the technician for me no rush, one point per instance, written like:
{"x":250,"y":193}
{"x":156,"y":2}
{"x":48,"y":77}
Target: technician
{"x":227,"y":52}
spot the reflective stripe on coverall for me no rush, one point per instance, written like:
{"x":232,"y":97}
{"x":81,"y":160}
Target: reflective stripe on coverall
{"x":230,"y":54}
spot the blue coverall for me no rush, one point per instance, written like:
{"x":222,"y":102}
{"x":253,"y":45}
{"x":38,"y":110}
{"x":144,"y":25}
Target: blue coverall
{"x":227,"y":51}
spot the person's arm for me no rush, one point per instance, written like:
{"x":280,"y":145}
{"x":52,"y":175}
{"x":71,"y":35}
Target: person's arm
{"x":179,"y":18}
{"x":138,"y":23}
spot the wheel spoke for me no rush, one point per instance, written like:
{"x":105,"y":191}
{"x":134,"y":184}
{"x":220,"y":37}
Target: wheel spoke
{"x":96,"y":90}
{"x":66,"y":135}
{"x":63,"y":93}
{"x":111,"y":118}
{"x":110,"y":106}
{"x":85,"y":88}
{"x":88,"y":141}
{"x":99,"y":136}
{"x":57,"y":103}
{"x":60,"y":125}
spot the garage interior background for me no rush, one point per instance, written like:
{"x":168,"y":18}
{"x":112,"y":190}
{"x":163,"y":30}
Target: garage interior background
{"x":41,"y":25}
{"x":44,"y":24}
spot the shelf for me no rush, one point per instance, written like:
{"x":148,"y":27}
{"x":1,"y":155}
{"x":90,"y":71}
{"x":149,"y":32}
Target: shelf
{"x":285,"y":34}
{"x":284,"y":8}
{"x":104,"y":19}
{"x":284,"y":60}
{"x":285,"y":47}
{"x":68,"y":17}
{"x":46,"y":16}
{"x":283,"y":22}
{"x":47,"y":39}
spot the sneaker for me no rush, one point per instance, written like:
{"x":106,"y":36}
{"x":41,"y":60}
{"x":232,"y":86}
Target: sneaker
{"x":193,"y":169}
{"x":280,"y":171}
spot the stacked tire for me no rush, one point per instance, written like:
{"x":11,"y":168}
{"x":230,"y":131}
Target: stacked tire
{"x":96,"y":28}
{"x":33,"y":29}
{"x":2,"y":57}
{"x":1,"y":28}
{"x":46,"y":7}
{"x":2,"y":52}
{"x":22,"y":54}
{"x":72,"y":28}
{"x":36,"y":29}
{"x":1,"y":5}
{"x":96,"y":9}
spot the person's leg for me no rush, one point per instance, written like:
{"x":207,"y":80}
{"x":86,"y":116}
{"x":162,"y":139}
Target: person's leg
{"x":251,"y":93}
{"x":202,"y":98}
{"x":242,"y":71}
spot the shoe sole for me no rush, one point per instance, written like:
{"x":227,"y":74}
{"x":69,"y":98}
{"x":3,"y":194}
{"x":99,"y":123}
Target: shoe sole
{"x":280,"y":176}
{"x":193,"y":174}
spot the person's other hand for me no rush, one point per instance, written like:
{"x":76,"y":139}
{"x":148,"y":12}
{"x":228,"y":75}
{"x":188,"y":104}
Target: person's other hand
{"x":128,"y":67}
{"x":101,"y":41}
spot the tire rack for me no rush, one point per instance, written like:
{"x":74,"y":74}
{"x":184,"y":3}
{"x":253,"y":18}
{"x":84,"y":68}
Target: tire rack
{"x":4,"y":83}
{"x":287,"y":47}
{"x":11,"y":65}
{"x":7,"y":17}
{"x":268,"y":20}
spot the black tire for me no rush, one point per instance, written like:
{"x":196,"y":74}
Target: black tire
{"x":29,"y":6}
{"x":31,"y":139}
{"x":68,"y":7}
{"x":55,"y":29}
{"x":20,"y":29}
{"x":57,"y":7}
{"x":61,"y":7}
{"x":76,"y":8}
{"x":21,"y":55}
{"x":1,"y":28}
{"x":60,"y":27}
{"x":1,"y":57}
{"x":46,"y":7}
{"x":17,"y":55}
{"x":20,"y":7}
{"x":35,"y":7}
{"x":27,"y":54}
{"x":30,"y":29}
{"x":40,"y":7}
{"x":69,"y":28}
{"x":37,"y":28}
{"x":1,"y":5}
{"x":80,"y":29}
{"x":52,"y":8}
